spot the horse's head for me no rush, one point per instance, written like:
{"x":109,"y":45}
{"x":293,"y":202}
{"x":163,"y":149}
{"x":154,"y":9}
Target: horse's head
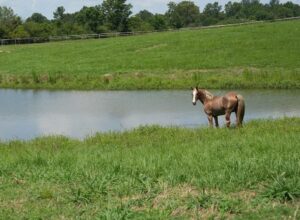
{"x":200,"y":94}
{"x":195,"y":95}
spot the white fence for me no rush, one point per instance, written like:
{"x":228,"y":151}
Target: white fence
{"x":121,"y":34}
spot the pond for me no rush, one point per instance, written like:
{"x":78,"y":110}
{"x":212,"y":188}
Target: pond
{"x":25,"y":114}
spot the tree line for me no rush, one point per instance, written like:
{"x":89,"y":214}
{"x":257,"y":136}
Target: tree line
{"x":116,"y":15}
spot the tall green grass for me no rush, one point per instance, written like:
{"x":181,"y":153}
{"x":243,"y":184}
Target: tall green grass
{"x":156,"y":173}
{"x":259,"y":55}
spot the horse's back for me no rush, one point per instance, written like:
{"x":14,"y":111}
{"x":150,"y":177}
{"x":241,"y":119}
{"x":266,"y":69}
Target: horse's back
{"x":230,"y":100}
{"x":231,"y":95}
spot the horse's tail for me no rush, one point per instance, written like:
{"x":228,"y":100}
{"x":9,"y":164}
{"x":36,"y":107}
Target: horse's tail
{"x":240,"y":111}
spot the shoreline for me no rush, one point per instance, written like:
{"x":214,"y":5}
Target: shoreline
{"x":205,"y":128}
{"x":181,"y":79}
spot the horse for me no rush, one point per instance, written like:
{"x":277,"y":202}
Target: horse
{"x":215,"y":106}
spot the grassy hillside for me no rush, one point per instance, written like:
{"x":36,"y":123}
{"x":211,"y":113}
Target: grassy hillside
{"x":260,"y":55}
{"x":156,"y":173}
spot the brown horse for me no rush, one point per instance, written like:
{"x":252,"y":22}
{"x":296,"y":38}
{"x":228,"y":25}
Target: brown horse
{"x":220,"y":105}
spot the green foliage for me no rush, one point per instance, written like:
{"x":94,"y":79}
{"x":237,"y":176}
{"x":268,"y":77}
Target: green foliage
{"x":212,"y":14}
{"x":69,"y":29}
{"x":135,"y":23}
{"x":35,"y":29}
{"x":212,"y":10}
{"x":20,"y":32}
{"x":91,"y":18}
{"x":145,"y":15}
{"x":159,"y":22}
{"x":59,"y":13}
{"x":183,"y":14}
{"x":254,"y":10}
{"x":8,"y":22}
{"x":37,"y":18}
{"x":116,"y":14}
{"x":233,"y":9}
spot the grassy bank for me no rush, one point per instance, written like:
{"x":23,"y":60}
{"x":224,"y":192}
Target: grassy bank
{"x":255,"y":56}
{"x":237,"y":78}
{"x":156,"y":173}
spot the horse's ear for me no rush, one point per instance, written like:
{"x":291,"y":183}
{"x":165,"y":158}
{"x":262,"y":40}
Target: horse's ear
{"x":197,"y":88}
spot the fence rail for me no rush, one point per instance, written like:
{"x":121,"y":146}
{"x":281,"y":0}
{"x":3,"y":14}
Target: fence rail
{"x":121,"y":34}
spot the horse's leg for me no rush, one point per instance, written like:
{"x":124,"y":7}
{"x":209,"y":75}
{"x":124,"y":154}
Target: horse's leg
{"x":216,"y":121}
{"x":227,"y":117}
{"x":210,"y":120}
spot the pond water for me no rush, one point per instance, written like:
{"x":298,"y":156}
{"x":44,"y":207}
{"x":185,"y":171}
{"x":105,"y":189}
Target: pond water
{"x":25,"y":114}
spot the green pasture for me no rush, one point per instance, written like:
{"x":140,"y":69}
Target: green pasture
{"x":265,"y":55}
{"x":156,"y":173}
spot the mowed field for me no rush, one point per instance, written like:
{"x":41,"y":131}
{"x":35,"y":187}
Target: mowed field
{"x":263,"y":55}
{"x":156,"y":173}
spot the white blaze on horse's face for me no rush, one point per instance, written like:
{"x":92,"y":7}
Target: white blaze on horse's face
{"x":195,"y":92}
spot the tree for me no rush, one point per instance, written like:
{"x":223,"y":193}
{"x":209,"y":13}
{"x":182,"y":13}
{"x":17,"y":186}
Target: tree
{"x":38,"y":18}
{"x":59,"y":13}
{"x":135,"y":23}
{"x":188,"y":12}
{"x":173,"y":16}
{"x":250,"y":8}
{"x":212,"y":10}
{"x":141,"y":21}
{"x":174,"y":19}
{"x":145,"y":15}
{"x":184,"y":14}
{"x":8,"y":22}
{"x":159,"y":22}
{"x":295,"y":8}
{"x":274,"y":3}
{"x":116,"y":13}
{"x":212,"y":14}
{"x":65,"y":23}
{"x":69,"y":28}
{"x":283,"y":12}
{"x":20,"y":32}
{"x":42,"y":30}
{"x":233,"y":9}
{"x":91,"y":18}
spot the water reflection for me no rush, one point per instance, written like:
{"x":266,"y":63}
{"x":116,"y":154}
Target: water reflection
{"x":27,"y":114}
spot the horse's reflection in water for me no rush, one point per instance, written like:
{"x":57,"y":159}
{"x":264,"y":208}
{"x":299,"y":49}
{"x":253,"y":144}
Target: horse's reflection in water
{"x":220,"y":105}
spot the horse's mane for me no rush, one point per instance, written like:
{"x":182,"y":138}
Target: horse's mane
{"x":208,"y":95}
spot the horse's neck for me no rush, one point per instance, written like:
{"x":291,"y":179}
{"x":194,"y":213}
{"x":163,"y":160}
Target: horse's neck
{"x":203,"y":97}
{"x":206,"y":100}
{"x":208,"y":95}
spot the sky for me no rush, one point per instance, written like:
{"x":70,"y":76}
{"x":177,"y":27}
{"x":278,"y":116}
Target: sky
{"x":26,"y":8}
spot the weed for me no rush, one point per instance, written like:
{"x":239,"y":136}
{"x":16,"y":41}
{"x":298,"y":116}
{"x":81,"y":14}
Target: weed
{"x":283,"y":188}
{"x":35,"y":77}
